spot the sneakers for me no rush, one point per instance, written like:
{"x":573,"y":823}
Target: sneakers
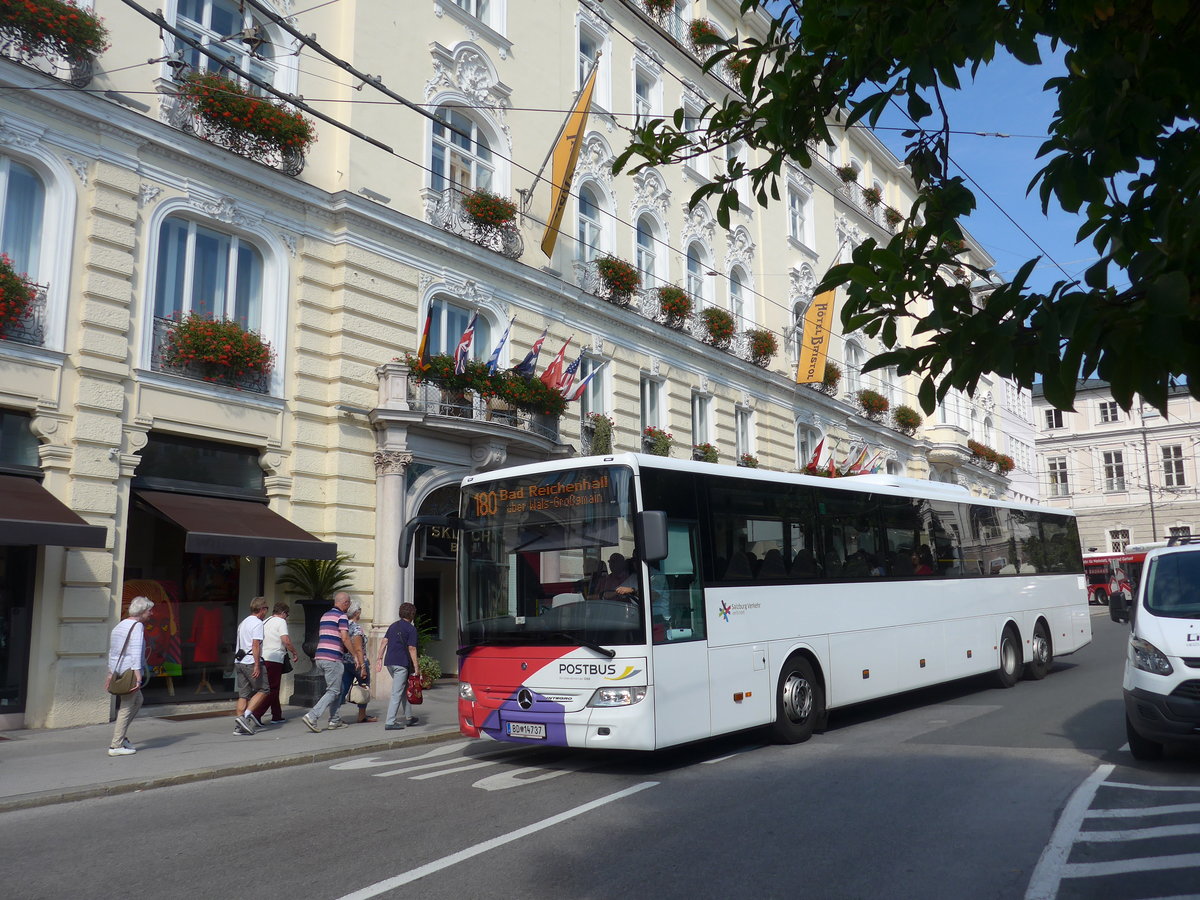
{"x":276,"y":721}
{"x":393,"y":727}
{"x":310,"y":724}
{"x":125,"y":743}
{"x":336,"y":724}
{"x":121,"y":751}
{"x":258,"y":723}
{"x":412,"y":720}
{"x":244,"y":725}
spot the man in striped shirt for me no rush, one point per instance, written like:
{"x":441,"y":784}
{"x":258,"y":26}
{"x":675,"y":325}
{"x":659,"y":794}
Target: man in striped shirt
{"x":333,"y":640}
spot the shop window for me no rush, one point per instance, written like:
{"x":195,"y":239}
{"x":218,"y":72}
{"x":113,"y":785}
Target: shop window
{"x":184,"y":464}
{"x":18,"y":445}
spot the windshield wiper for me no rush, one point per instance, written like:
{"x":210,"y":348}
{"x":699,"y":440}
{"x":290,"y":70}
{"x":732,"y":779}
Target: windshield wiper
{"x":580,"y":642}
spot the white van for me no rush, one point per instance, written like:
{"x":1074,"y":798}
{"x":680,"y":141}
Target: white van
{"x":1162,"y":669}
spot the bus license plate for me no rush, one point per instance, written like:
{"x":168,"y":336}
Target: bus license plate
{"x":536,"y":731}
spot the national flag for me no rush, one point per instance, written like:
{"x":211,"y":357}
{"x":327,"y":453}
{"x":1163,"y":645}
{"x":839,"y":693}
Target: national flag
{"x":565,"y":154}
{"x":494,"y":359}
{"x":577,"y":392}
{"x":816,"y":457}
{"x":463,"y":351}
{"x":528,"y":365}
{"x":568,"y":376}
{"x":552,"y":377}
{"x":814,"y":344}
{"x":873,"y":466}
{"x":856,"y":467}
{"x":423,"y":347}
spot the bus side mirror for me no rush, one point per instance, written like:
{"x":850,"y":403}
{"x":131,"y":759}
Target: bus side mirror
{"x":651,"y":534}
{"x":1118,"y":606}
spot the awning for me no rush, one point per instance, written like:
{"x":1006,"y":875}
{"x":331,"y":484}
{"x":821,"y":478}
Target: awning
{"x":30,"y":514}
{"x":236,"y":527}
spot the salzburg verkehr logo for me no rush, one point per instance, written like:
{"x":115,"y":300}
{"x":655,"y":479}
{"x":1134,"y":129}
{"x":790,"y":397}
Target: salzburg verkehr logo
{"x":726,"y":609}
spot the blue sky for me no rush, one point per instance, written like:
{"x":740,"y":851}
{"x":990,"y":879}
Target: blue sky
{"x":1007,"y":97}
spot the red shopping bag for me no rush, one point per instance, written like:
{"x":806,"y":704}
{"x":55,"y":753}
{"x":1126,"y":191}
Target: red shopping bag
{"x":414,"y":690}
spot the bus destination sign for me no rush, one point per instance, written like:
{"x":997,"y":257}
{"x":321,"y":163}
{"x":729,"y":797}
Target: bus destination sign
{"x":573,"y":491}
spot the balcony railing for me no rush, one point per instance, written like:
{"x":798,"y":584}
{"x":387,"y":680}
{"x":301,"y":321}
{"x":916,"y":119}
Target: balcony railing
{"x":645,"y":303}
{"x":179,"y":113}
{"x":434,"y":400}
{"x":257,"y":382}
{"x":76,"y":72}
{"x":32,"y":328}
{"x":444,"y":209}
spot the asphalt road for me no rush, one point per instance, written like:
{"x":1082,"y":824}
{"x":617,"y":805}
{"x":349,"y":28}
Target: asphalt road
{"x":957,"y":791}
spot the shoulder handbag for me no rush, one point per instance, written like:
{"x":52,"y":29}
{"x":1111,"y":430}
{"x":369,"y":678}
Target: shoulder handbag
{"x":360,"y":694}
{"x":414,"y":690}
{"x":125,"y":682}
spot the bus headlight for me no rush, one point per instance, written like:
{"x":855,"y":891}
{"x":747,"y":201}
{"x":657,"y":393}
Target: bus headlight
{"x":617,"y":696}
{"x":1149,"y":658}
{"x":466,"y":692}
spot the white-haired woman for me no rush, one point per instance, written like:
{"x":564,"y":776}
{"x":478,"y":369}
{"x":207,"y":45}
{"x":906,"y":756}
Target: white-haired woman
{"x":356,"y":661}
{"x":127,"y":650}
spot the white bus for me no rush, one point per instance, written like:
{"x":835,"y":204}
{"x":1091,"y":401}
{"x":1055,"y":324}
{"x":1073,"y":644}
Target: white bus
{"x":638,"y":602}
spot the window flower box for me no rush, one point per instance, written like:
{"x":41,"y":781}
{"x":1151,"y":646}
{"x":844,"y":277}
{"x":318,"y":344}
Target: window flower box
{"x":828,"y":384}
{"x":702,"y":36}
{"x":601,"y":427}
{"x":659,"y":9}
{"x":871,"y":404}
{"x":219,"y":351}
{"x":657,"y":441}
{"x":244,"y":123}
{"x":848,"y":174}
{"x":500,"y":391}
{"x":16,"y":298}
{"x":705,"y":452}
{"x":676,"y":306}
{"x":906,"y":419}
{"x":488,"y":210}
{"x":748,"y":461}
{"x":52,"y":29}
{"x":763,"y":346}
{"x":872,"y":196}
{"x":892,"y":217}
{"x":718,"y":326}
{"x":618,"y":279}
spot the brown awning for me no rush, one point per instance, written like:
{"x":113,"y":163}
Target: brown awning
{"x":236,"y":527}
{"x":30,"y":514}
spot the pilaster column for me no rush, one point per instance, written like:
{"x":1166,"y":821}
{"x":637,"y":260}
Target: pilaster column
{"x":391,"y":512}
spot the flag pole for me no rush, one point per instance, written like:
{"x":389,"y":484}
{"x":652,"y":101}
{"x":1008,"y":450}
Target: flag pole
{"x":527,"y":195}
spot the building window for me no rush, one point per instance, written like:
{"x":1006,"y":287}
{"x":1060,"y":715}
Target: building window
{"x":799,"y":215}
{"x":1059,"y":486}
{"x":590,"y":231}
{"x":23,"y":199}
{"x":697,"y":268}
{"x":646,"y":251}
{"x":213,"y":24}
{"x":854,"y":361}
{"x":701,"y":419}
{"x":209,"y":272}
{"x":1172,"y":458}
{"x":592,"y":398}
{"x":693,"y":126}
{"x":807,"y":439}
{"x":1118,"y":539}
{"x":448,"y":323}
{"x":651,"y":402}
{"x":743,"y":436}
{"x":1114,"y":470}
{"x":461,"y":158}
{"x":593,"y":41}
{"x":1054,"y":418}
{"x":737,"y":298}
{"x":480,"y":9}
{"x":1109,"y":411}
{"x":1179,"y":531}
{"x":646,"y":90}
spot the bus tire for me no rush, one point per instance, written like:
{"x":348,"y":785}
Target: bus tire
{"x":1009,"y":671}
{"x":1142,"y":748}
{"x":1041,"y":653}
{"x":1101,"y":596}
{"x":799,"y":702}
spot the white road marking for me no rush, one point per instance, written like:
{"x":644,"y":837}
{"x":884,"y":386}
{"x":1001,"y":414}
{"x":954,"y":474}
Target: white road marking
{"x":389,"y":884}
{"x":435,"y":765}
{"x":456,"y":769}
{"x":1146,"y":811}
{"x":1122,"y":866}
{"x":1181,"y":788}
{"x":1050,"y":868}
{"x":373,"y":762}
{"x":1138,"y":834}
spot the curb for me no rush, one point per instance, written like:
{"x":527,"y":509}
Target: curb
{"x":112,"y":789}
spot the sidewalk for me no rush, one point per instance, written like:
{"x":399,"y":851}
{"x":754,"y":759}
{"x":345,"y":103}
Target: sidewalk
{"x":41,"y":767}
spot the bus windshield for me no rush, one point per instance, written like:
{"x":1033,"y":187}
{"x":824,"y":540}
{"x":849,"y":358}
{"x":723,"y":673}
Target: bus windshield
{"x":549,"y":560}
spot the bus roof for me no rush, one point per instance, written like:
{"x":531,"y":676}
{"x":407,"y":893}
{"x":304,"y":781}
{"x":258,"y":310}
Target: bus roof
{"x":882,"y":484}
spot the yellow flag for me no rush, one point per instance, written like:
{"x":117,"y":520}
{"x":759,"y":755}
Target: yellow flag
{"x":565,"y":153}
{"x":814,"y":345}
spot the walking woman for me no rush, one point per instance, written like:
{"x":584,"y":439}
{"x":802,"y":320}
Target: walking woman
{"x":127,"y":650}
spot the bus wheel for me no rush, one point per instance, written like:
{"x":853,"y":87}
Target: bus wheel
{"x":1143,"y":749}
{"x":1101,"y":596}
{"x":1009,"y":672}
{"x":799,"y":703}
{"x":1041,"y":654}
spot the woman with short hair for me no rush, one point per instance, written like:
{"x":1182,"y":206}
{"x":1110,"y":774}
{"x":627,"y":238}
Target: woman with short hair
{"x":127,"y":650}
